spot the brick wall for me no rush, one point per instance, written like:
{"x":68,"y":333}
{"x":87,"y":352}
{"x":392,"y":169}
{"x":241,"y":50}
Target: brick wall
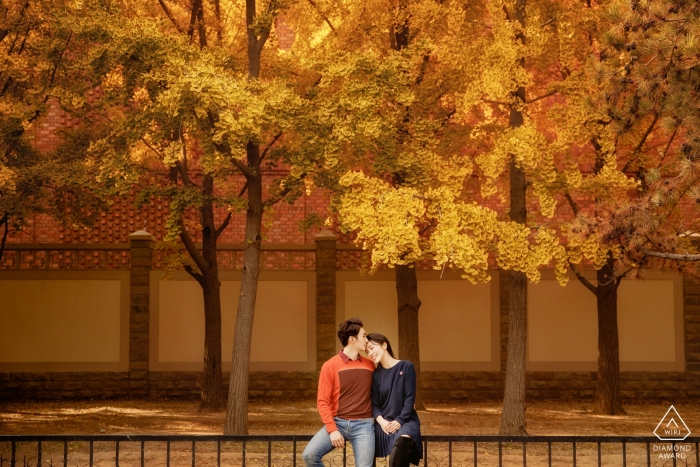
{"x":435,"y":386}
{"x":561,"y":385}
{"x":186,"y":385}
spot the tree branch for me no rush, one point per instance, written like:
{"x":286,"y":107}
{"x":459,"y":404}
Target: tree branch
{"x":572,"y":203}
{"x":543,"y":96}
{"x":621,"y":276}
{"x":583,"y":280}
{"x":244,"y":189}
{"x":193,"y":18}
{"x":269,"y":146}
{"x":671,"y":256}
{"x":182,"y":164}
{"x":280,"y":196}
{"x":489,"y":101}
{"x":197,"y":276}
{"x":170,"y":16}
{"x":224,"y":149}
{"x":638,"y":148}
{"x":247,"y":171}
{"x":663,"y":156}
{"x":224,"y":224}
{"x":325,"y":18}
{"x":190,"y":246}
{"x":549,"y":21}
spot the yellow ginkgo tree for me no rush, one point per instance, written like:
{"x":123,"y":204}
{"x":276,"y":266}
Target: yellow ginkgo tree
{"x":36,"y":71}
{"x":188,"y":113}
{"x":422,"y":105}
{"x":533,"y":93}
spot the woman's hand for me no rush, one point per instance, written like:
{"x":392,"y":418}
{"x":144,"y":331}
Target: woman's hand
{"x":384,"y":424}
{"x":392,"y":427}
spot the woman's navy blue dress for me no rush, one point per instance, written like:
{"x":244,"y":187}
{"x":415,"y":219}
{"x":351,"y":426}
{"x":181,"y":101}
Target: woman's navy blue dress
{"x":393,"y":397}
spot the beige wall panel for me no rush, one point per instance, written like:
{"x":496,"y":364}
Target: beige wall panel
{"x":455,"y":321}
{"x":279,"y":329}
{"x":375,"y":303}
{"x":646,"y":321}
{"x":562,"y":323}
{"x":60,"y":320}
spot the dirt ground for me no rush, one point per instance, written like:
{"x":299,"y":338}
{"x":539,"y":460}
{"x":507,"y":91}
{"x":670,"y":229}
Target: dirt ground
{"x":482,"y":418}
{"x":176,"y":417}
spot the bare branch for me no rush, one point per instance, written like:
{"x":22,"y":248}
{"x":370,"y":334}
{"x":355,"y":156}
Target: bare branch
{"x":159,"y":154}
{"x":673,"y":135}
{"x":671,"y":256}
{"x":325,"y":18}
{"x":225,"y":149}
{"x":191,"y":247}
{"x":572,"y":203}
{"x":244,"y":189}
{"x":549,"y":21}
{"x":224,"y":224}
{"x":170,"y":16}
{"x":583,"y":280}
{"x":197,"y":276}
{"x":425,"y":229}
{"x":638,"y":148}
{"x":543,"y":96}
{"x":621,"y":276}
{"x":489,"y":101}
{"x":182,"y":164}
{"x":242,"y":167}
{"x":269,"y":146}
{"x":287,"y":189}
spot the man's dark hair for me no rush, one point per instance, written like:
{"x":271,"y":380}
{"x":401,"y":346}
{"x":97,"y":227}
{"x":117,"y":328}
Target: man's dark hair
{"x":349,"y":328}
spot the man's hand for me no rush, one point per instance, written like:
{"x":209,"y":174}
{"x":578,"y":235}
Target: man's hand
{"x":337,"y":439}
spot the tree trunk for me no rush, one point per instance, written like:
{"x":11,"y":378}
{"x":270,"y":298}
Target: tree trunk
{"x":237,"y":414}
{"x":212,"y":387}
{"x":513,"y":416}
{"x":409,"y":303}
{"x":607,"y":396}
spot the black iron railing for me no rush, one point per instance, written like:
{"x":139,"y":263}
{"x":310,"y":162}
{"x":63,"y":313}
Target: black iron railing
{"x":285,"y":451}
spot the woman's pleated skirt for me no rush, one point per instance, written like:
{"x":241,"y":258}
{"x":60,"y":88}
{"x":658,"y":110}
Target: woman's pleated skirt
{"x":384,"y":443}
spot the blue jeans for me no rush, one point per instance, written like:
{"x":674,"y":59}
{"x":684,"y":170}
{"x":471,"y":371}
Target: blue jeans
{"x":360,"y":434}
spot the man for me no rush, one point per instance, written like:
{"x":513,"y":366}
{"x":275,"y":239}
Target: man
{"x":344,"y":401}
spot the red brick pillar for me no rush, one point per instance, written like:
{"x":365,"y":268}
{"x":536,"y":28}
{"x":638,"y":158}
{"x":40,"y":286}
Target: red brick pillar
{"x":139,"y":311}
{"x":325,"y":296}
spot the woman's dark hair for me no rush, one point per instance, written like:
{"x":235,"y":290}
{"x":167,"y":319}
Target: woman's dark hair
{"x":349,"y":328}
{"x":379,"y":339}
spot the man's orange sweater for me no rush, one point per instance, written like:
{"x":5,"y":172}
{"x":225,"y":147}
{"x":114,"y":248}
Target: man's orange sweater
{"x":344,"y":388}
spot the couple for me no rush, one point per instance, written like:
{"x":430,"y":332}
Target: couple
{"x":371,"y":408}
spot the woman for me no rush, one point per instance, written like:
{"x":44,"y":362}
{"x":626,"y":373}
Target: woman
{"x":397,"y":427}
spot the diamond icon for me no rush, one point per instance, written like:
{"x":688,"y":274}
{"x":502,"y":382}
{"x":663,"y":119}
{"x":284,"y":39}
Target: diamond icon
{"x":672,"y":427}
